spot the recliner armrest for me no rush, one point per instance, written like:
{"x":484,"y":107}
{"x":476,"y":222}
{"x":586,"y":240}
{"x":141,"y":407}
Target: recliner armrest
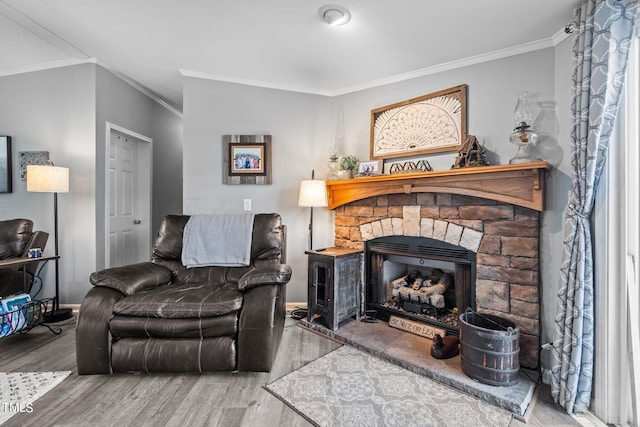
{"x":277,"y":274}
{"x":133,"y":278}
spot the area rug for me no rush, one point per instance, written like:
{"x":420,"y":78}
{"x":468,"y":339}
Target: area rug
{"x":348,"y":387}
{"x":18,"y":390}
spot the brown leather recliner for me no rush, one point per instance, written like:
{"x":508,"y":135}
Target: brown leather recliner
{"x":160,"y":316}
{"x":16,"y":238}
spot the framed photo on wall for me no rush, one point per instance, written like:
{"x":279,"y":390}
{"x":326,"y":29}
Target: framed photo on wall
{"x":429,"y":124}
{"x":246,"y":159}
{"x":6,"y":171}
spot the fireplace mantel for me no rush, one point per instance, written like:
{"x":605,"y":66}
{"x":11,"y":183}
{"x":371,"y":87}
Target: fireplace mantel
{"x":519,"y":184}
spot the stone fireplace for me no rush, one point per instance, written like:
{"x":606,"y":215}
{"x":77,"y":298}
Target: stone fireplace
{"x":497,"y":243}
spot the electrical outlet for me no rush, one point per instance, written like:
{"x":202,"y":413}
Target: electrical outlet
{"x":247,"y":205}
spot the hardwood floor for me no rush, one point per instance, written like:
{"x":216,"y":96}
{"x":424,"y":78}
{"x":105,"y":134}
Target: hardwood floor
{"x":220,"y":399}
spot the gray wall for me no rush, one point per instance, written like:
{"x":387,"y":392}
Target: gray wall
{"x":64,"y":111}
{"x":491,"y":98}
{"x":53,"y":111}
{"x":558,"y":187}
{"x":118,"y":103}
{"x":303,"y":125}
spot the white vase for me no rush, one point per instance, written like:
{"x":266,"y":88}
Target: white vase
{"x":344,"y":174}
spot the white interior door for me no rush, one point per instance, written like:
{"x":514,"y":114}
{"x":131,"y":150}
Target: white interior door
{"x":128,"y":201}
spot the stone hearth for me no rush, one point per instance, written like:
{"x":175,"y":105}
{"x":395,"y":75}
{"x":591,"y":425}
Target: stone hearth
{"x":504,"y":237}
{"x":412,"y":353}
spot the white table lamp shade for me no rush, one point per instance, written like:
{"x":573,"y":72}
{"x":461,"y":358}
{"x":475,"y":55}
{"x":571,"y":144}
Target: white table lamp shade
{"x":47,"y":179}
{"x":313,"y":193}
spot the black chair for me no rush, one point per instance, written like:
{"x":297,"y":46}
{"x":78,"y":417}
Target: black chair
{"x":160,"y":316}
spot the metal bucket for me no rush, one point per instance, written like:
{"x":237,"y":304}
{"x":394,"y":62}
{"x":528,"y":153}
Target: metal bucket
{"x":489,"y":349}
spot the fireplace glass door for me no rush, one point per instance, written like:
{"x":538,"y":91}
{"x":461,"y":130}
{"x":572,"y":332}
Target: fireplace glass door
{"x":420,"y":279}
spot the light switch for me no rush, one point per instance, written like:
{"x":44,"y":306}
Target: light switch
{"x":247,"y":205}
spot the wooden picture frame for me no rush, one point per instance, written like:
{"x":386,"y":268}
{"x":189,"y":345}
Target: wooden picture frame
{"x":371,"y":168}
{"x":6,"y":169}
{"x":246,"y":159}
{"x":429,"y":124}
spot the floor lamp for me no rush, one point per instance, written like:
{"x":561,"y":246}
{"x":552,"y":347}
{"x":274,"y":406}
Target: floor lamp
{"x":51,"y":179}
{"x":313,"y":194}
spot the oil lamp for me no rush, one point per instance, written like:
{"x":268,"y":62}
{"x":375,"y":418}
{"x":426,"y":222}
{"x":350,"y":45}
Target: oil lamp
{"x":524,"y":136}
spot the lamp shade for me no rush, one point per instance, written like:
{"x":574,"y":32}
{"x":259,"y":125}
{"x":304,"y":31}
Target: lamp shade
{"x":313,"y":193}
{"x":47,"y":179}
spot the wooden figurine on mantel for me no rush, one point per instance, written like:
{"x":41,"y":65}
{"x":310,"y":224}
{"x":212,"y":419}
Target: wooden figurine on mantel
{"x":470,"y":154}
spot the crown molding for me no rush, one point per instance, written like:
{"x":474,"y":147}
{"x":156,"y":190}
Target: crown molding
{"x":38,"y":30}
{"x":553,"y":41}
{"x":48,"y":66}
{"x":448,"y":66}
{"x":559,"y":37}
{"x":78,"y":55}
{"x":140,"y":88}
{"x":250,"y":82}
{"x":74,"y":61}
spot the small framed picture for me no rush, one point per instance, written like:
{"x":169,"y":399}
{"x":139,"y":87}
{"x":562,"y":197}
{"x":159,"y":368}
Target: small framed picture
{"x":370,"y":168}
{"x":247,"y":159}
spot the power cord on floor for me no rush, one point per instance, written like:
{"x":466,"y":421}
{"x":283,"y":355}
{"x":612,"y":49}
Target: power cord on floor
{"x":71,"y":322}
{"x":298,"y":313}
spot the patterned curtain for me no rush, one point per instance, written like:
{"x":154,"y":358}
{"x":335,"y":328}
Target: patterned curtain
{"x":601,"y":48}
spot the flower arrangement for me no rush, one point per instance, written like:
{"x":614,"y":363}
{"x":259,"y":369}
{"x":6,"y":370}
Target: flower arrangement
{"x":349,"y":162}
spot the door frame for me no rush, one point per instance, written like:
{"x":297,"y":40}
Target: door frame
{"x":145,"y":181}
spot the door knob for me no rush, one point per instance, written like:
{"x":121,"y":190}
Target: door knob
{"x":137,"y":221}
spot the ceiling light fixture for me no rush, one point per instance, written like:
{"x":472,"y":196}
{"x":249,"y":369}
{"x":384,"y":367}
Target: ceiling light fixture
{"x":334,"y":15}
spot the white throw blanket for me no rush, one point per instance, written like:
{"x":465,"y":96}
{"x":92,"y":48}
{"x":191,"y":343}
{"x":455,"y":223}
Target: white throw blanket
{"x":217,"y":240}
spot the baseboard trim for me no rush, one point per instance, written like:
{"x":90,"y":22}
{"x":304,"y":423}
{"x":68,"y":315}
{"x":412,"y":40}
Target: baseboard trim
{"x":75,"y":308}
{"x":290,"y":306}
{"x":588,"y":419}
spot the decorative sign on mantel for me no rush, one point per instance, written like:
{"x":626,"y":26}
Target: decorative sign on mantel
{"x":415,"y":327}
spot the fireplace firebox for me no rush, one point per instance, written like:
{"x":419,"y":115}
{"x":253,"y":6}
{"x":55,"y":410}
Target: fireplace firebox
{"x":419,"y":278}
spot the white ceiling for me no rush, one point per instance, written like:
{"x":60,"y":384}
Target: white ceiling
{"x":277,"y":43}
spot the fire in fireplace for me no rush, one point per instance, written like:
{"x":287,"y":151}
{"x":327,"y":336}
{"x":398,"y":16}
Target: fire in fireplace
{"x":419,"y":278}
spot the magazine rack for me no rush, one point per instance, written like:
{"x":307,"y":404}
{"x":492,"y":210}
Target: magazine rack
{"x":26,"y":317}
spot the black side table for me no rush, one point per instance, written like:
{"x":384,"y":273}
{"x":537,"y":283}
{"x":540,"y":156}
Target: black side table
{"x":334,"y":284}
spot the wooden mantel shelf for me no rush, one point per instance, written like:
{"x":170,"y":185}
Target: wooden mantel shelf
{"x":519,"y":184}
